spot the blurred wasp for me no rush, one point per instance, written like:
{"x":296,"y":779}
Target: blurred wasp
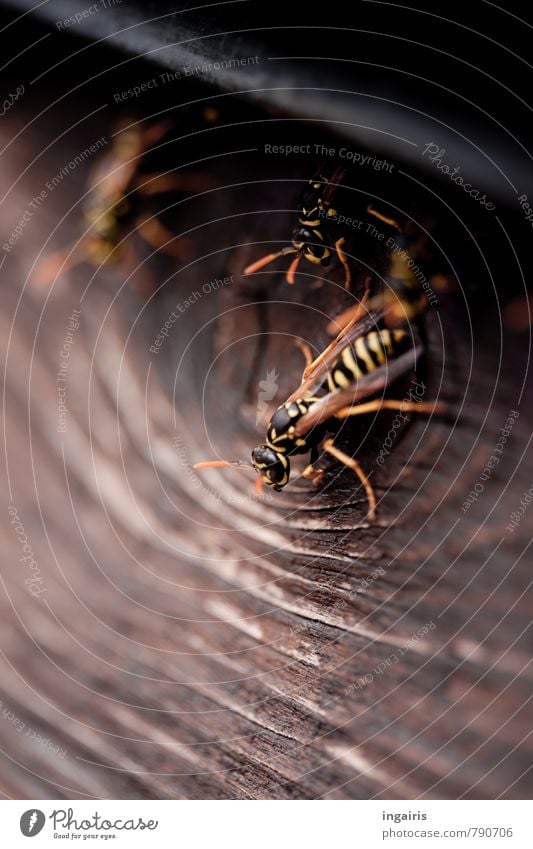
{"x":115,"y":208}
{"x":402,"y":296}
{"x":311,"y":238}
{"x":364,"y":360}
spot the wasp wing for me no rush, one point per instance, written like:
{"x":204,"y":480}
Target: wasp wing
{"x":334,"y":182}
{"x":331,"y":184}
{"x":315,"y":378}
{"x":326,"y":408}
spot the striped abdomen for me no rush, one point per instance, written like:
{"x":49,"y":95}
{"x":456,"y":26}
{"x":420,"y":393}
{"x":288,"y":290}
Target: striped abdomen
{"x":365,"y":355}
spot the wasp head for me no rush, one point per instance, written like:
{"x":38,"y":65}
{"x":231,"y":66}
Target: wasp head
{"x":273,"y":465}
{"x":310,"y":243}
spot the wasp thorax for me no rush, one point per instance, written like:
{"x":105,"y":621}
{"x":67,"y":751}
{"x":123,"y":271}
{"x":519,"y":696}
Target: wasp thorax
{"x":274,"y":467}
{"x":281,"y":433}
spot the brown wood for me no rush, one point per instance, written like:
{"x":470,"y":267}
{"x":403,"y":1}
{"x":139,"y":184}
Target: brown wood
{"x":191,"y":641}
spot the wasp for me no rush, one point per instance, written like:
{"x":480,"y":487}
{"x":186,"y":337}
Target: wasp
{"x":361,"y":362}
{"x":115,"y":207}
{"x":311,"y":238}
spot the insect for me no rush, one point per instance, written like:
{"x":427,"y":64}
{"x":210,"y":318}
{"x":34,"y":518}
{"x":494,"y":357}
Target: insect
{"x":403,"y":298}
{"x":311,"y":238}
{"x":115,"y":208}
{"x":361,"y":362}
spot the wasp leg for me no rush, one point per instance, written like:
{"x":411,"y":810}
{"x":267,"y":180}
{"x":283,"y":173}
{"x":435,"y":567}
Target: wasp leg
{"x":351,"y":316}
{"x":352,"y":464}
{"x":386,"y":220}
{"x":307,"y":353}
{"x":162,"y":239}
{"x":395,"y":310}
{"x":155,"y":184}
{"x":344,"y":261}
{"x":389,"y":404}
{"x":310,"y":473}
{"x":313,"y":475}
{"x":347,"y":319}
{"x":327,"y":351}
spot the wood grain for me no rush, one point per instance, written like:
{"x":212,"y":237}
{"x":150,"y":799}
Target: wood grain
{"x":192,"y":642}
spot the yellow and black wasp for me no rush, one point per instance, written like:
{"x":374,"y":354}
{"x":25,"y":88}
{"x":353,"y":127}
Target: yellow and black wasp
{"x":361,"y":362}
{"x":115,"y":208}
{"x":312,"y":237}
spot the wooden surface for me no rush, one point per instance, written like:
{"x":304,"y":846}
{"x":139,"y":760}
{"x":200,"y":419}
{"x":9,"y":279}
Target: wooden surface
{"x":191,"y":641}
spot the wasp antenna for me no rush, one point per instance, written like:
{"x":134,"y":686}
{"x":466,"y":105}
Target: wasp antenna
{"x":223,"y":464}
{"x":266,"y":260}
